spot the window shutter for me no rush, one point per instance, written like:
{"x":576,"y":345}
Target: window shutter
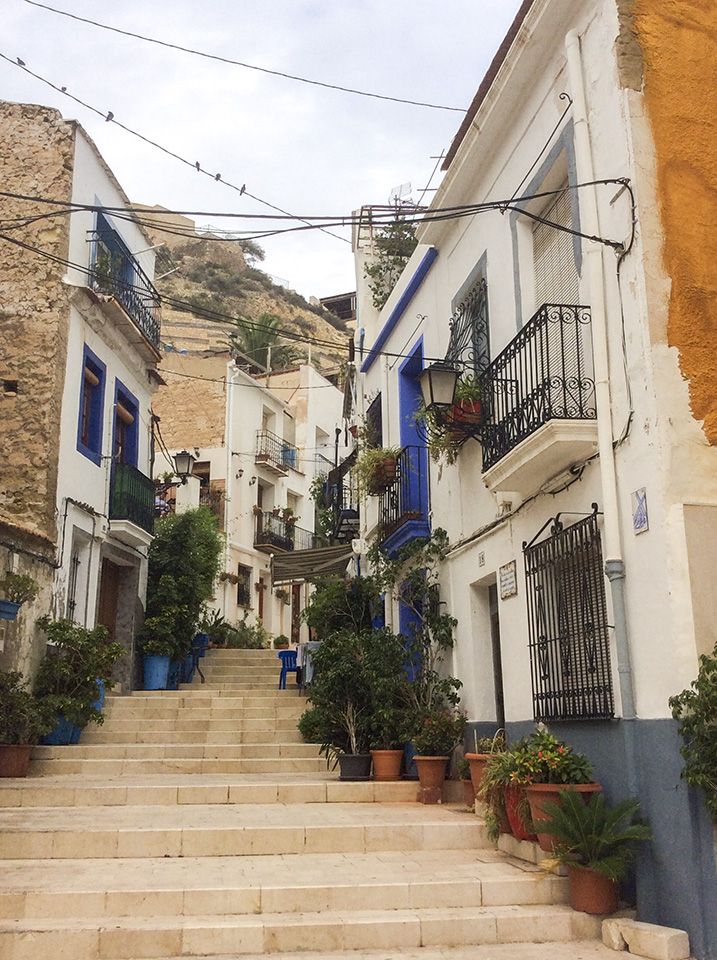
{"x":556,"y":277}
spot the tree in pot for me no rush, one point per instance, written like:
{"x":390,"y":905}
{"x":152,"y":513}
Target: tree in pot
{"x":15,"y":589}
{"x":23,"y":719}
{"x":437,"y":734}
{"x":67,"y":679}
{"x":183,"y":565}
{"x":596,"y":844}
{"x":546,"y":766}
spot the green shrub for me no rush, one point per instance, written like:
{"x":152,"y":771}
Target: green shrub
{"x":24,"y":718}
{"x":18,"y":587}
{"x":696,"y":711}
{"x":439,"y":733}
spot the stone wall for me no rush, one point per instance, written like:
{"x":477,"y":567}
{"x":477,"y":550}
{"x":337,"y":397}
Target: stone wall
{"x":192,"y":411}
{"x":36,"y":159}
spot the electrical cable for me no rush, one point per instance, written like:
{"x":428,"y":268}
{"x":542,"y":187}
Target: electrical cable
{"x":247,"y":66}
{"x":110,"y":118}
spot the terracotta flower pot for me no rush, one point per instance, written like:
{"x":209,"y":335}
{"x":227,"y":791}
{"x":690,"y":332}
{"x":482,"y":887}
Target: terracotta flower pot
{"x":469,"y":412}
{"x":477,"y":762}
{"x":384,"y":475}
{"x":591,"y":892}
{"x":14,"y":759}
{"x":387,"y":764}
{"x":514,"y":795}
{"x":431,"y":774}
{"x":541,"y":793}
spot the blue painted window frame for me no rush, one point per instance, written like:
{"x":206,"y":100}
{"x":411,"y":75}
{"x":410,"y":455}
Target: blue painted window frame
{"x":128,"y":400}
{"x":93,"y":449}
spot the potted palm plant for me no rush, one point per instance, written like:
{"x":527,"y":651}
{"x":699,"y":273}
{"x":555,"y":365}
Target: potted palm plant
{"x":23,"y":719}
{"x":15,"y":589}
{"x":596,"y":844}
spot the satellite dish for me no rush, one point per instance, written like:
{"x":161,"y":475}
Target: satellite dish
{"x":398,"y":193}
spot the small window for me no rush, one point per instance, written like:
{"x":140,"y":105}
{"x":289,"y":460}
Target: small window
{"x":556,"y":276}
{"x":92,"y":398}
{"x":126,"y":427}
{"x":374,"y":423}
{"x":244,"y":586}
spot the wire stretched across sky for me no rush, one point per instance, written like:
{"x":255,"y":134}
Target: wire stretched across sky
{"x":109,"y":117}
{"x":246,"y":66}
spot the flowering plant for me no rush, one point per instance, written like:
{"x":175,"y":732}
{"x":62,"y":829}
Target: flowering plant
{"x":439,"y":732}
{"x":542,"y":758}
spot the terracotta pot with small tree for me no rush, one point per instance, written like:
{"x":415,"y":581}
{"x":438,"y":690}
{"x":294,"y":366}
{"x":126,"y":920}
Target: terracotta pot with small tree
{"x":24,"y":718}
{"x":440,"y":731}
{"x":596,"y":843}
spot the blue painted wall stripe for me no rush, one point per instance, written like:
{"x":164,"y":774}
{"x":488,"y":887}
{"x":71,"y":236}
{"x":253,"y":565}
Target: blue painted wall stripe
{"x":408,"y":294}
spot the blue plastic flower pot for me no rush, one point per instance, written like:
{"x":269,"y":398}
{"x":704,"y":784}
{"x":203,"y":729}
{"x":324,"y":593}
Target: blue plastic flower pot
{"x":188,"y":668}
{"x":201,"y":640}
{"x":8,"y":610}
{"x":62,"y":734}
{"x":156,"y":672}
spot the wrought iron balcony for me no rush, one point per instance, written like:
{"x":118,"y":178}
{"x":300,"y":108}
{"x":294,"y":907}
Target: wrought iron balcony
{"x":274,"y":453}
{"x":116,"y":273}
{"x":544,"y":374}
{"x":406,"y":498}
{"x":131,"y":497}
{"x":274,"y":533}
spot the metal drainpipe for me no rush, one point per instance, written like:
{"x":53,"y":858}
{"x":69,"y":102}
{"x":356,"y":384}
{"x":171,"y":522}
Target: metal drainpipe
{"x":229,"y":429}
{"x":614,"y":563}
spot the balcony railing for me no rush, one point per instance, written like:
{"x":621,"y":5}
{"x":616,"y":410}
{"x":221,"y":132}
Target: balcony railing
{"x":115,"y":272}
{"x":407,"y":496}
{"x":545,"y":373}
{"x":131,"y":496}
{"x":273,"y":531}
{"x":342,"y":499}
{"x":273,"y":451}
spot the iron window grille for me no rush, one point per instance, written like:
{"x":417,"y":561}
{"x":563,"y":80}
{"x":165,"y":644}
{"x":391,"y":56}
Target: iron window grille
{"x":469,"y":343}
{"x":567,"y":622}
{"x":244,"y":585}
{"x":72,"y":585}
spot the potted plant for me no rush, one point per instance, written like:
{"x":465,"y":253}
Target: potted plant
{"x":386,"y":737}
{"x":15,"y":589}
{"x":23,"y":719}
{"x":281,"y":642}
{"x":596,"y":844}
{"x":546,"y":767}
{"x":67,"y":679}
{"x":376,"y":468}
{"x":483,"y":747}
{"x":439,"y":733}
{"x":496,"y":776}
{"x":158,"y":648}
{"x":468,"y":410}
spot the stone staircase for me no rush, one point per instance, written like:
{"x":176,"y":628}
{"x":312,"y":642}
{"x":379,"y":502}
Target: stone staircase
{"x":196,"y":823}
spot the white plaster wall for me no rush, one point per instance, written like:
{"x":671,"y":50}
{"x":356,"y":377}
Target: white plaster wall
{"x":664,"y":451}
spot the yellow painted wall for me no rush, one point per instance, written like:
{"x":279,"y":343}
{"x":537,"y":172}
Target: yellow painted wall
{"x":679,"y":45}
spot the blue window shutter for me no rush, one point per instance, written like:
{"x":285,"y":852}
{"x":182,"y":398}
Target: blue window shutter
{"x":91,"y":407}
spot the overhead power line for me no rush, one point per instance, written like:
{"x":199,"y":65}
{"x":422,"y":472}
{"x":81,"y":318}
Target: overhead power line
{"x":246,"y":66}
{"x":109,"y":117}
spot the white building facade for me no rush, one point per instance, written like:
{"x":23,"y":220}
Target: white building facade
{"x":580,"y":513}
{"x":280,"y":433}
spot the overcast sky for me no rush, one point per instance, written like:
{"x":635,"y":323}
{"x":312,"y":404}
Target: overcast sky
{"x":304,"y":148}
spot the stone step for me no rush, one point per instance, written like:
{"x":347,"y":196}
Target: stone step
{"x":237,"y":685}
{"x":149,"y":715}
{"x":182,"y":751}
{"x":190,"y":693}
{"x":122,"y":938}
{"x":232,"y":830}
{"x":111,"y":734}
{"x":550,"y":950}
{"x":79,"y":791}
{"x":188,"y":725}
{"x":117,"y":768}
{"x":230,"y":885}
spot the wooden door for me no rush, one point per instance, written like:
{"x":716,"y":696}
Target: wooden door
{"x":109,"y":596}
{"x":295,"y":612}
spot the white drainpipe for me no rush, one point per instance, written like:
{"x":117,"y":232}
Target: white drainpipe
{"x":614,"y":563}
{"x":228,"y":484}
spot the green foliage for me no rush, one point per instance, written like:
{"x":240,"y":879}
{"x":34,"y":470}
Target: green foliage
{"x":541,"y":758}
{"x":368,"y":465}
{"x":593,"y":835}
{"x":414,"y":574}
{"x":444,"y":443}
{"x":499,"y":771}
{"x":494,"y":744}
{"x":24,"y":718}
{"x":464,"y":769}
{"x":440,"y":732}
{"x":696,"y":711}
{"x":338,"y":604}
{"x":76,"y":659}
{"x":393,"y":246}
{"x":358,"y":688}
{"x":18,"y":587}
{"x":183,"y":564}
{"x":323,"y":514}
{"x":253,"y":339}
{"x":247,"y":636}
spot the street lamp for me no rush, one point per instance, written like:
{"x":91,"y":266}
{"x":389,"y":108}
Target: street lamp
{"x":438,"y":386}
{"x":183,"y":464}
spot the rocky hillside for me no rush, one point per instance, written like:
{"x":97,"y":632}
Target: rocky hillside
{"x":225,"y":277}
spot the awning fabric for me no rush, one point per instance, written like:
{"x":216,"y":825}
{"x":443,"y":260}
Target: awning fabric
{"x":300,"y":565}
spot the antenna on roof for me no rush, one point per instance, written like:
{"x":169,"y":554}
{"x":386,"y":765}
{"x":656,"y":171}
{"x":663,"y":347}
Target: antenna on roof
{"x":399,"y":193}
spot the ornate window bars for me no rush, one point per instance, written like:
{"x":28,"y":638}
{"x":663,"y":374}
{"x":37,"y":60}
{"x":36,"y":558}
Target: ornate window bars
{"x":469,"y":343}
{"x":567,"y":623}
